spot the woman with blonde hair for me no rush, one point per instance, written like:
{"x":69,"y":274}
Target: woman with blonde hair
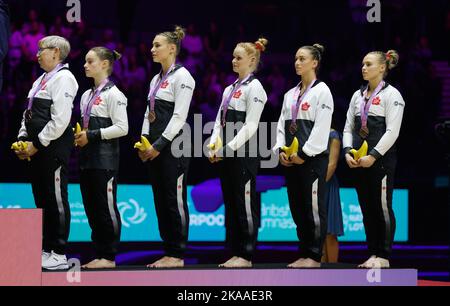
{"x":375,"y":115}
{"x":169,"y":100}
{"x":238,"y":120}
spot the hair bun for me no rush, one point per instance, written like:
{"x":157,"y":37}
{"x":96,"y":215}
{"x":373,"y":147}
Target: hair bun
{"x":179,"y":32}
{"x":261,"y":44}
{"x":117,"y":55}
{"x":392,"y":59}
{"x":320,"y":48}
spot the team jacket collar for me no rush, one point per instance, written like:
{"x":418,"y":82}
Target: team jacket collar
{"x":108,"y":86}
{"x":174,"y":69}
{"x":317,"y":82}
{"x":364,"y":87}
{"x":246,"y":82}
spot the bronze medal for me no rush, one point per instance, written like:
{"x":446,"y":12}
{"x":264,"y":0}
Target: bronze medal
{"x":28,"y":115}
{"x":152,"y":117}
{"x":293,"y":128}
{"x":364,"y":132}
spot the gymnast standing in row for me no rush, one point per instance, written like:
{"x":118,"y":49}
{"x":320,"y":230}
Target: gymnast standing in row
{"x":237,"y":122}
{"x":375,"y":115}
{"x":104,"y":121}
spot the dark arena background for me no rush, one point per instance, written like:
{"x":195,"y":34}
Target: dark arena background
{"x":418,"y":30}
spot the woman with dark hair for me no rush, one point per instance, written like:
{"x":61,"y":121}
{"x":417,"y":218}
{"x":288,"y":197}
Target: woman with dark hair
{"x":375,"y":115}
{"x":104,"y":120}
{"x":306,"y":115}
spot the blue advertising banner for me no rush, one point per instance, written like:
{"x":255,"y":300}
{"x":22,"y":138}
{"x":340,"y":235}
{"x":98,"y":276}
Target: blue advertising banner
{"x":139,"y":222}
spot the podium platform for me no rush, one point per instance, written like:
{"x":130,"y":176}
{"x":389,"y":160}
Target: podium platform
{"x":259,"y":277}
{"x":20,"y":265}
{"x":21,"y":247}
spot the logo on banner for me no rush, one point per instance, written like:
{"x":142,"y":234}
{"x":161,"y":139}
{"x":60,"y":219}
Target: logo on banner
{"x":131,"y":213}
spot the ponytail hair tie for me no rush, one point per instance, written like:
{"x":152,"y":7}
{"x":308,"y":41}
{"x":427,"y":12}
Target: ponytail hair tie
{"x":259,"y":46}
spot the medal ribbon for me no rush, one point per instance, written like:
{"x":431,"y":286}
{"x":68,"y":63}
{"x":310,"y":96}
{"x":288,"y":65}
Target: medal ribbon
{"x":88,"y":108}
{"x":153,"y":91}
{"x":47,"y":77}
{"x":366,"y":106}
{"x":226,"y":102}
{"x":298,"y":101}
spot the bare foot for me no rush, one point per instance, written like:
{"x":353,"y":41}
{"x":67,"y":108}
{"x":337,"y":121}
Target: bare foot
{"x":156,"y":263}
{"x":238,"y":262}
{"x":298,"y":262}
{"x":167,"y":262}
{"x":369,"y":264}
{"x":101,"y":264}
{"x":376,"y":263}
{"x":229,"y":262}
{"x":89,"y":265}
{"x":303,"y":263}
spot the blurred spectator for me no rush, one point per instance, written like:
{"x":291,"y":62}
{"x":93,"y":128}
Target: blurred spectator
{"x":423,"y":50}
{"x":108,"y":40}
{"x":144,"y":58}
{"x":59,"y":28}
{"x":277,"y":83}
{"x":16,"y":39}
{"x":192,"y":45}
{"x":33,"y":17}
{"x":80,"y":42}
{"x":134,"y":77}
{"x":214,"y":43}
{"x":30,"y":44}
{"x":209,"y":108}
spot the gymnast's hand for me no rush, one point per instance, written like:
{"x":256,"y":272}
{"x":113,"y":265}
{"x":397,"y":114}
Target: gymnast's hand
{"x":367,"y":161}
{"x":81,"y":139}
{"x":351,"y":162}
{"x":150,"y":154}
{"x":295,"y":159}
{"x":284,"y":160}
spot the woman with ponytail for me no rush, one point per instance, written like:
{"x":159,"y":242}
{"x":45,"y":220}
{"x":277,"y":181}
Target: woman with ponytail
{"x":306,"y":115}
{"x":237,"y":122}
{"x":104,"y":120}
{"x":375,"y":115}
{"x":169,"y":100}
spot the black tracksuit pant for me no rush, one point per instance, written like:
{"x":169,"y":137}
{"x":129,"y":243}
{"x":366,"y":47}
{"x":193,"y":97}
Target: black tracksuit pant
{"x":375,"y":187}
{"x":99,"y":191}
{"x":49,"y":181}
{"x":306,"y":185}
{"x":168,"y":176}
{"x":242,"y":208}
